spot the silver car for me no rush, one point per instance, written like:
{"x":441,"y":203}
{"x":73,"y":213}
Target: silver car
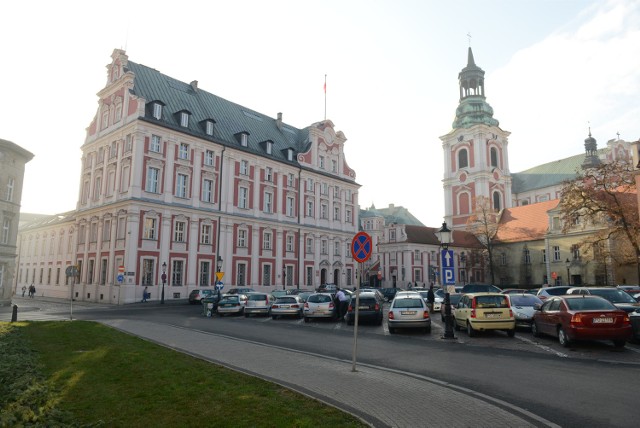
{"x":290,"y":305}
{"x":258,"y":303}
{"x":232,"y":304}
{"x":523,"y":307}
{"x":319,"y":305}
{"x":408,"y":310}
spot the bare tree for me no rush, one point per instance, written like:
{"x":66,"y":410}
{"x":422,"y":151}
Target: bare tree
{"x":605,"y":196}
{"x":483,"y":224}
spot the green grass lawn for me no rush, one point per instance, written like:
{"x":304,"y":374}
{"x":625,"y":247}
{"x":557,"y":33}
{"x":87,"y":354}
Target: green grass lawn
{"x":86,"y":374}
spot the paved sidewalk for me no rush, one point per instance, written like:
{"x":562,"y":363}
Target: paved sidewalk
{"x":380,"y":397}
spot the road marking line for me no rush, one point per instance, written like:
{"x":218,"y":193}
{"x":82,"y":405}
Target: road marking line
{"x":543,"y":347}
{"x":632,"y":349}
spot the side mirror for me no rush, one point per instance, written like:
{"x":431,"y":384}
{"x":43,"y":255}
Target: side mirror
{"x":537,"y":306}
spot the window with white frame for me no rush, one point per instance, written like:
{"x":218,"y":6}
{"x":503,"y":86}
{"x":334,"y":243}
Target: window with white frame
{"x":309,"y":184}
{"x":321,"y":162}
{"x":209,"y":128}
{"x":269,"y":147}
{"x":266,"y":275}
{"x":124,"y":179}
{"x":242,"y":275}
{"x":349,"y":195}
{"x":183,"y":151}
{"x":334,"y":166}
{"x":93,"y":235}
{"x":336,"y":213}
{"x":244,"y":167}
{"x":9,"y":193}
{"x":128,"y":143}
{"x":105,"y":119}
{"x":268,"y":174}
{"x":324,"y":211}
{"x":347,"y":216}
{"x":6,"y":230}
{"x":205,"y":234}
{"x":150,"y":228}
{"x":184,"y":119}
{"x":106,"y":230}
{"x":575,"y":250}
{"x":336,"y":248}
{"x":309,"y":246}
{"x":204,"y":274}
{"x":290,"y":206}
{"x":336,"y":192}
{"x":267,"y":238}
{"x":209,"y":156}
{"x":242,"y":238}
{"x":556,"y":253}
{"x":207,"y":190}
{"x":324,"y":246}
{"x":179,"y":231}
{"x":289,"y":180}
{"x":243,"y":197}
{"x":122,"y":228}
{"x":97,"y":190}
{"x":177,"y":272}
{"x":290,"y":243}
{"x":309,"y":208}
{"x":416,"y":255}
{"x":526,"y":255}
{"x":268,"y":202}
{"x":309,"y":276}
{"x":349,"y":275}
{"x":244,"y":140}
{"x":157,"y":111}
{"x":392,"y":234}
{"x":182,"y":185}
{"x":324,"y":189}
{"x":155,"y":143}
{"x":153,"y":180}
{"x":148,"y":272}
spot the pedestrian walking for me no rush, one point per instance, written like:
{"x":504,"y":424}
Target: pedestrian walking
{"x":144,"y":295}
{"x":24,"y":290}
{"x":343,"y":301}
{"x":32,"y":291}
{"x":431,"y":298}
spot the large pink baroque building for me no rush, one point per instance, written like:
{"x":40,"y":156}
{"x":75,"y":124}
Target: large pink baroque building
{"x":173,"y":174}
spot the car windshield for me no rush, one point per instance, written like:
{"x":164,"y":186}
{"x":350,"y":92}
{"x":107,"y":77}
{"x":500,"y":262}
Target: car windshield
{"x":424,"y":294}
{"x":319,"y":298}
{"x":586,"y":303}
{"x":439,"y":292}
{"x":524,"y":299}
{"x":231,"y":299}
{"x":408,"y":303}
{"x":491,"y":302}
{"x":257,"y":297}
{"x":556,"y":291}
{"x":286,"y":300}
{"x":455,"y":298}
{"x":613,"y":295}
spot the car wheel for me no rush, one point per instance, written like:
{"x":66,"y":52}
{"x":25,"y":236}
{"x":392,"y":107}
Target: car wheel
{"x":470,"y":331}
{"x":619,"y":343}
{"x":534,"y":330}
{"x":562,"y":337}
{"x":511,"y":333}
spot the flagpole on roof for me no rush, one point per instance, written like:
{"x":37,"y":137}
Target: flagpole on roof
{"x":325,"y":97}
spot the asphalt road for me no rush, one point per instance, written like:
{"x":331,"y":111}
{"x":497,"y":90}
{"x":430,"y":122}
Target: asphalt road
{"x":590,"y":384}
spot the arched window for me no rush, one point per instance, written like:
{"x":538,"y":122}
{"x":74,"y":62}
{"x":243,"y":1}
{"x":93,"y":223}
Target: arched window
{"x":494,"y":157}
{"x":496,"y":201}
{"x":463,"y":160}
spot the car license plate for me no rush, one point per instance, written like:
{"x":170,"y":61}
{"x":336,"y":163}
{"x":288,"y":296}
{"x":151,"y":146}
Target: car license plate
{"x":284,"y":306}
{"x":492,"y":315}
{"x":363,"y":307}
{"x":603,"y":320}
{"x":408,"y":312}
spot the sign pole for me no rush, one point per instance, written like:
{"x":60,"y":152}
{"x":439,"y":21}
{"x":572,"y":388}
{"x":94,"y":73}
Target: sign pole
{"x":355,"y":325}
{"x":361,"y":247}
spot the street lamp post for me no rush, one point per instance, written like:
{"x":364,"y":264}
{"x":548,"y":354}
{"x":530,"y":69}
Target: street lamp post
{"x":445,"y":238}
{"x":164,"y":280}
{"x":568,"y":264}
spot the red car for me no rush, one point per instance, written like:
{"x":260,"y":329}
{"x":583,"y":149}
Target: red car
{"x":581,"y":317}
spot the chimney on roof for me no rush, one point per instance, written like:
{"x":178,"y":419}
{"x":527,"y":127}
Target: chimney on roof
{"x":194,"y":85}
{"x":391,"y":205}
{"x":279,"y":121}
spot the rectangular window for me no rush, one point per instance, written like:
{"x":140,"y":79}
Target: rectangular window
{"x":290,"y":246}
{"x":268,"y":202}
{"x":122,"y":228}
{"x":321,"y":162}
{"x":177,"y":272}
{"x":556,"y":254}
{"x":106,"y":230}
{"x":336,"y":213}
{"x":128,"y":143}
{"x":243,"y":197}
{"x":89,"y":272}
{"x":242,"y":275}
{"x":209,"y":157}
{"x":103,"y":272}
{"x":124,"y":182}
{"x":157,"y":111}
{"x":181,"y":186}
{"x":266,"y":240}
{"x":183,"y":151}
{"x":526,"y":256}
{"x":347,"y":216}
{"x":309,"y":184}
{"x":324,"y":189}
{"x":324,"y":247}
{"x":309,"y":276}
{"x":416,"y":255}
{"x":290,"y":180}
{"x":205,"y":234}
{"x":266,"y":275}
{"x":93,"y":235}
{"x":147,"y":272}
{"x":244,"y":167}
{"x":242,"y":238}
{"x":205,"y":273}
{"x":290,"y":205}
{"x":184,"y":119}
{"x":97,"y":189}
{"x":349,"y":196}
{"x":209,"y":129}
{"x":392,"y":235}
{"x":309,"y":247}
{"x":575,"y":251}
{"x":268,"y":174}
{"x":149,"y":228}
{"x":153,"y":176}
{"x":207,"y":190}
{"x":336,"y":192}
{"x":336,"y":248}
{"x":179,"y":231}
{"x":6,"y":230}
{"x":544,"y":256}
{"x":349,"y":274}
{"x":155,"y":143}
{"x":334,"y":166}
{"x":309,"y":208}
{"x":10,"y":185}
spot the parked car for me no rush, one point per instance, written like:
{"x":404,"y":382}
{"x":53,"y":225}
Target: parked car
{"x":485,"y":311}
{"x":616,"y":296}
{"x":634,"y":317}
{"x":454,"y":299}
{"x":479,"y":288}
{"x":389,"y":293}
{"x":290,"y":305}
{"x":198,"y":294}
{"x":369,"y":307}
{"x":582,"y":317}
{"x":324,"y":288}
{"x":232,"y":304}
{"x":545,"y":292}
{"x":281,"y":293}
{"x":408,"y":310}
{"x":523,"y":307}
{"x":305,"y":295}
{"x":240,"y":290}
{"x":258,"y":303}
{"x":514,"y":291}
{"x":319,"y":305}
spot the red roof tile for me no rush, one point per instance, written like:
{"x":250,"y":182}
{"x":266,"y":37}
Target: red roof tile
{"x":526,"y":223}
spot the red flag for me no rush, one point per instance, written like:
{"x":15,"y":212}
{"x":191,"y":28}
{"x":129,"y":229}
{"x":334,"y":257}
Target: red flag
{"x":325,"y":87}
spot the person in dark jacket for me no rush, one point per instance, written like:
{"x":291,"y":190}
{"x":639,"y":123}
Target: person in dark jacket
{"x":431,"y":298}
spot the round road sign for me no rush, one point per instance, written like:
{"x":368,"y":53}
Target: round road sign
{"x":361,"y":247}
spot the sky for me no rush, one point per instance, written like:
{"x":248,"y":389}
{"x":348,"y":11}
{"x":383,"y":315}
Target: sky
{"x":552,"y":70}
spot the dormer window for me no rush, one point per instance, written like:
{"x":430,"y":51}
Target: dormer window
{"x":184,"y":119}
{"x":289,"y":154}
{"x":242,"y":138}
{"x":157,"y":111}
{"x":209,"y":127}
{"x":269,"y":147}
